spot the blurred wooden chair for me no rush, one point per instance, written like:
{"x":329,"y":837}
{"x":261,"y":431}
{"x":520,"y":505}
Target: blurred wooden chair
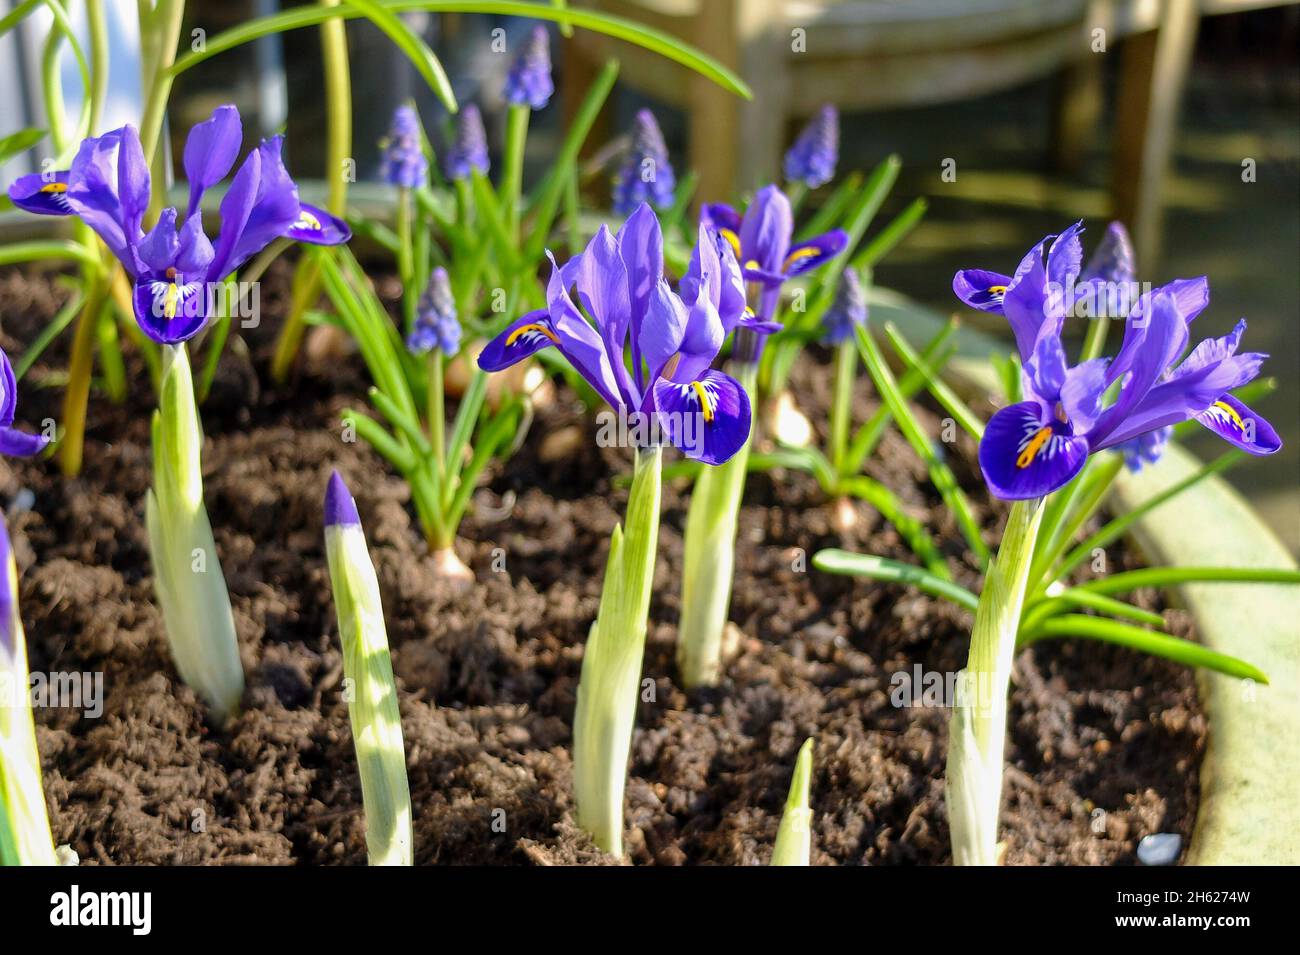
{"x":886,"y":54}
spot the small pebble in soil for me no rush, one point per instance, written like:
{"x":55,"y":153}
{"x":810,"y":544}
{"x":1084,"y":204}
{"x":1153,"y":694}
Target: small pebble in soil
{"x":23,"y":500}
{"x":1162,"y":848}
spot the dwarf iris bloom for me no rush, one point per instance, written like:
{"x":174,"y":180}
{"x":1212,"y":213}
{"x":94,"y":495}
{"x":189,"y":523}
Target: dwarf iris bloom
{"x":761,"y":242}
{"x":672,"y":338}
{"x":1038,"y":445}
{"x":175,"y":264}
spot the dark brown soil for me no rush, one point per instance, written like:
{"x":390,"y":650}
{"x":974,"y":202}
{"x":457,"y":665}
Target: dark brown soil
{"x":1105,"y":745}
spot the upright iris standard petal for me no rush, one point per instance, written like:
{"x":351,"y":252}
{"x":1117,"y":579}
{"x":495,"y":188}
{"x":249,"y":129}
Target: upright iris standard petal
{"x":812,"y":158}
{"x":469,"y":151}
{"x":263,"y":188}
{"x":707,"y":419}
{"x":404,"y":164}
{"x":210,"y":152}
{"x":529,"y":81}
{"x":108,"y":189}
{"x":316,"y":226}
{"x":15,"y":443}
{"x":44,"y":193}
{"x":646,"y":174}
{"x":1026,"y":454}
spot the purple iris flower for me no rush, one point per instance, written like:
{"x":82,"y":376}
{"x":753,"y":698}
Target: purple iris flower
{"x":175,"y":266}
{"x":529,"y":81}
{"x":1033,"y":447}
{"x":812,"y":158}
{"x":847,"y":311}
{"x":436,"y":323}
{"x":761,"y":242}
{"x":624,"y":305}
{"x":469,"y":151}
{"x":404,"y":164}
{"x":18,"y":444}
{"x":646,"y":174}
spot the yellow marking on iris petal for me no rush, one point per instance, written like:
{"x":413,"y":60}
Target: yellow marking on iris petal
{"x":530,"y":327}
{"x":1231,"y":412}
{"x":997,"y":290}
{"x":1040,"y":438}
{"x":307,"y":221}
{"x":171,"y":298}
{"x":732,"y":239}
{"x":55,"y":187}
{"x":753,"y":265}
{"x":798,"y":255}
{"x":703,"y":395}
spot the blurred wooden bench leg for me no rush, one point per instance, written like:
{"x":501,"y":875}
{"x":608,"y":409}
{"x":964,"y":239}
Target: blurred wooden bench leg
{"x":715,"y":113}
{"x":1075,"y":112}
{"x":580,"y":72}
{"x":1153,"y":69}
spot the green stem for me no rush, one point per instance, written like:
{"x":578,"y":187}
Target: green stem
{"x":406,"y":259}
{"x":166,"y":30}
{"x":437,"y":415}
{"x":978,"y":729}
{"x":710,"y":557}
{"x":512,"y":178}
{"x":846,"y":367}
{"x":611,"y":665}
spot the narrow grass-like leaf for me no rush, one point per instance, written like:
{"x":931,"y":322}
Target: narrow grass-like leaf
{"x":1075,"y":598}
{"x":424,"y":60}
{"x":913,"y":531}
{"x":940,"y":474}
{"x":374,"y":434}
{"x":969,"y":420}
{"x":891,"y":235}
{"x":51,"y":331}
{"x":1130,"y":580}
{"x":1147,"y":641}
{"x":846,"y":563}
{"x":19,"y":142}
{"x":41,"y":250}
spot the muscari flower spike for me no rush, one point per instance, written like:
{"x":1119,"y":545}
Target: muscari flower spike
{"x":812,"y":158}
{"x":646,"y":174}
{"x":404,"y":164}
{"x":15,"y":443}
{"x":761,"y":241}
{"x":847,"y":311}
{"x":1033,"y":447}
{"x":529,"y":81}
{"x":1145,"y":449}
{"x":470,"y":149}
{"x":175,"y":263}
{"x":436,"y":322}
{"x":672,"y":337}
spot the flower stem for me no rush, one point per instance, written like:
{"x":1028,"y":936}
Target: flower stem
{"x":710,"y":556}
{"x":166,"y":31}
{"x":978,"y":728}
{"x":77,"y":395}
{"x":406,"y":259}
{"x":437,"y":415}
{"x":846,"y":367}
{"x":338,"y":100}
{"x":188,"y":580}
{"x":611,"y":664}
{"x":512,"y":177}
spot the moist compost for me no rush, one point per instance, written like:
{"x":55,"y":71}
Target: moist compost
{"x":1104,"y":748}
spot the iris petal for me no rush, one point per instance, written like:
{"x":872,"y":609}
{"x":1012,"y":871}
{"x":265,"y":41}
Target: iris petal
{"x":809,"y":255}
{"x":707,"y":419}
{"x":523,"y":337}
{"x":1026,"y":453}
{"x":210,"y":152}
{"x":318,"y":227}
{"x":981,"y":289}
{"x":168,"y":311}
{"x":45,"y":193}
{"x":1237,"y":424}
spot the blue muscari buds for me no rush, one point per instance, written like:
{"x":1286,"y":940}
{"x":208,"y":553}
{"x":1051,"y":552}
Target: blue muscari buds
{"x":404,"y":164}
{"x":812,"y":158}
{"x":529,"y":81}
{"x":1145,"y":448}
{"x":646,"y":174}
{"x":470,"y":150}
{"x":847,"y":311}
{"x":436,"y":322}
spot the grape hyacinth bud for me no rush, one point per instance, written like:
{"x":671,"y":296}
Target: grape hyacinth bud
{"x":646,"y":174}
{"x":404,"y":164}
{"x":470,"y":150}
{"x":812,"y":158}
{"x":529,"y":81}
{"x":1145,"y":448}
{"x":436,"y":323}
{"x":847,"y":311}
